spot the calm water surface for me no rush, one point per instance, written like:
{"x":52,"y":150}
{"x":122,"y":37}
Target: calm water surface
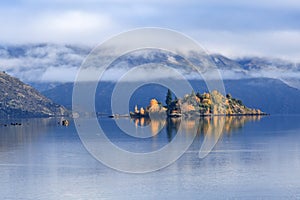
{"x":254,"y":158}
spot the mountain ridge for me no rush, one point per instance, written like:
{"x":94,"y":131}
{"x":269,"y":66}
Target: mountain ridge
{"x":49,"y":61}
{"x":264,"y":83}
{"x":19,"y":100}
{"x":269,"y":95}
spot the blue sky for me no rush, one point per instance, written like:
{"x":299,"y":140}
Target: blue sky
{"x":234,"y":28}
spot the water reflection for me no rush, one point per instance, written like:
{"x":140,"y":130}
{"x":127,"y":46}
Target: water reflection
{"x":27,"y":132}
{"x":210,"y":129}
{"x":208,"y":126}
{"x":154,"y":125}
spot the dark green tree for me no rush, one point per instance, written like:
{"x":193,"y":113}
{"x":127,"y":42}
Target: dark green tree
{"x":169,"y":98}
{"x":239,"y":102}
{"x":228,"y":96}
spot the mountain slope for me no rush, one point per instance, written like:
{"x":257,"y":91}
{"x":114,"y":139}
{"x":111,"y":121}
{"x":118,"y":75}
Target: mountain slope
{"x":59,"y":63}
{"x":20,"y":100}
{"x":269,"y":95}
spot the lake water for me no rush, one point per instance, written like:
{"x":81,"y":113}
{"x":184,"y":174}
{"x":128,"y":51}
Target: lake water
{"x":254,"y":158}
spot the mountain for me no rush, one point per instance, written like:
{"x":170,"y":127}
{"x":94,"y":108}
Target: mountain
{"x":269,"y":95}
{"x":265,"y":83}
{"x":43,"y":58}
{"x":42,"y":62}
{"x":62,"y":94}
{"x":256,"y":63}
{"x":287,"y":71}
{"x":43,"y":86}
{"x":37,"y":64}
{"x":20,"y":100}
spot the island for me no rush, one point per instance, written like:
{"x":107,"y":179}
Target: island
{"x":195,"y":104}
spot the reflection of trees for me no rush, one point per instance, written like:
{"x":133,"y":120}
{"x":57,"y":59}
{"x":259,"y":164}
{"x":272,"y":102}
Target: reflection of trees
{"x":172,"y":125}
{"x":141,"y":121}
{"x":154,"y":124}
{"x":209,"y":126}
{"x":213,"y":125}
{"x":234,"y":123}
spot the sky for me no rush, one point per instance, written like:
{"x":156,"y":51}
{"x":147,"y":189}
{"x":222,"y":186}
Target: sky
{"x":234,"y":28}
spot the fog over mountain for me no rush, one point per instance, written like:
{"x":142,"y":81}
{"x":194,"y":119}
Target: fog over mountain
{"x":269,"y":84}
{"x":41,"y":64}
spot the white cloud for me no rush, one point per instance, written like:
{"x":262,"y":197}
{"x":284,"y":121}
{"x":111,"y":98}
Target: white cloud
{"x":43,"y":62}
{"x":283,"y":44}
{"x":267,"y":28}
{"x":71,"y":27}
{"x":59,"y":74}
{"x":71,"y":22}
{"x":67,"y":26}
{"x":233,"y":27}
{"x":60,"y":63}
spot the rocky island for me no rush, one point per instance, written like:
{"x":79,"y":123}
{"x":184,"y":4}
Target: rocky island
{"x":191,"y":105}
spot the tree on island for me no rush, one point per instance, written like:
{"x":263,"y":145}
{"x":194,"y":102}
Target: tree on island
{"x":169,"y":98}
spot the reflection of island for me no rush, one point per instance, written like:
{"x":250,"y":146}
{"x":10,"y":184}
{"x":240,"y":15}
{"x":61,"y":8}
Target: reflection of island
{"x":191,"y":105}
{"x":209,"y":126}
{"x":154,"y":124}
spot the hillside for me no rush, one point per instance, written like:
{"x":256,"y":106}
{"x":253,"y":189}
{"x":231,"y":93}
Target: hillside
{"x":59,"y":63}
{"x":20,"y":100}
{"x":269,"y":95}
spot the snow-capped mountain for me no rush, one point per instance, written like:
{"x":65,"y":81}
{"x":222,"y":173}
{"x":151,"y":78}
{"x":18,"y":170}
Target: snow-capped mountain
{"x":42,"y":62}
{"x":47,"y":65}
{"x":261,"y":82}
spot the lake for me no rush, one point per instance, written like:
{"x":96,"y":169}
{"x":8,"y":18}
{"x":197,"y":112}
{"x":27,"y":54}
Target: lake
{"x":253,"y":158}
